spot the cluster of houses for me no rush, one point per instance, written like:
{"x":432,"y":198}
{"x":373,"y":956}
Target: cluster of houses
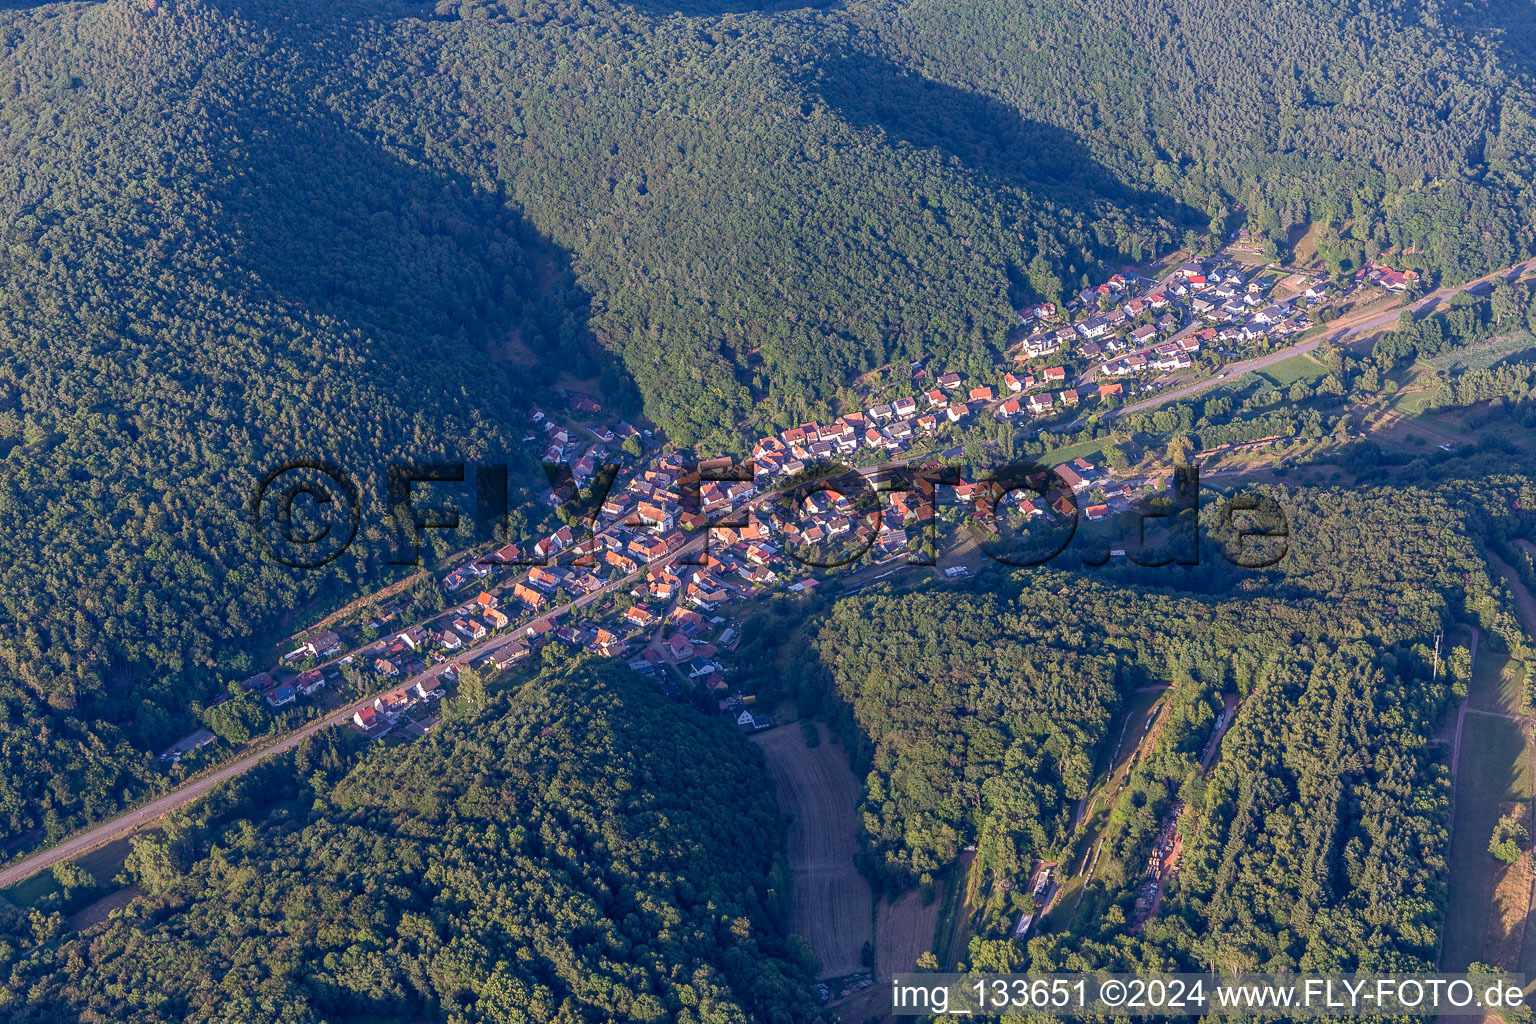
{"x":1032,"y":395}
{"x":412,"y":651}
{"x":650,"y":518}
{"x":559,"y":445}
{"x":309,"y":682}
{"x":1146,"y":329}
{"x":1086,"y":481}
{"x":389,"y":709}
{"x":672,"y":604}
{"x":671,"y":607}
{"x":893,"y":427}
{"x":890,"y":427}
{"x":1386,"y":278}
{"x":638,"y":527}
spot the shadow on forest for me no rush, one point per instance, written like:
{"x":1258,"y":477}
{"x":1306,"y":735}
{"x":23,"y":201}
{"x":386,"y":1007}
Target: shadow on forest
{"x":986,"y":135}
{"x":465,"y":292}
{"x":457,"y":306}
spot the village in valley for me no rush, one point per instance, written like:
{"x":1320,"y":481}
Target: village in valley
{"x":677,"y":545}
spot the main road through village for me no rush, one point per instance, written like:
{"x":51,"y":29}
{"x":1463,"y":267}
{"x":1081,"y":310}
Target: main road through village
{"x":1363,"y":324}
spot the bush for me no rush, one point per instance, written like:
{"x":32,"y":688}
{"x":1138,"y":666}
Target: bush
{"x":1509,"y":838}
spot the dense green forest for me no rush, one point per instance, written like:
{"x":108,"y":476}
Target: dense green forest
{"x":239,"y":235}
{"x":202,"y":273}
{"x":764,"y":204}
{"x":1320,"y":835}
{"x":747,"y":236}
{"x":1410,"y":125}
{"x":979,"y":728}
{"x":582,"y":851}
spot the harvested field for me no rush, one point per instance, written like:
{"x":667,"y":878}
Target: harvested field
{"x":904,"y":931}
{"x":832,"y":906}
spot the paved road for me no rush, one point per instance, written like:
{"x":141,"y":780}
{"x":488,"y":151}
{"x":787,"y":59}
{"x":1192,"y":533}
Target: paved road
{"x":131,"y":821}
{"x":191,"y":791}
{"x":153,"y":811}
{"x":104,"y":833}
{"x":1090,"y":376}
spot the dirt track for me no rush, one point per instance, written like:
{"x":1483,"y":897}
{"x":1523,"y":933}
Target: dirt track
{"x":832,"y":906}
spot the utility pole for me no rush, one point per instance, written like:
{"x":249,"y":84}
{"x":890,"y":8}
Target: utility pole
{"x":1435,"y":677}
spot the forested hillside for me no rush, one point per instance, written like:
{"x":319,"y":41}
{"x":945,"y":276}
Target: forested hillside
{"x":233,"y":235}
{"x":1319,"y":838}
{"x":1408,"y":124}
{"x":202,"y":272}
{"x":767,"y":203}
{"x":979,"y":729}
{"x":588,"y":852}
{"x":747,"y":236}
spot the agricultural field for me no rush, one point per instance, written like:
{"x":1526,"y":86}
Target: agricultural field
{"x":103,"y":864}
{"x":905,"y":931}
{"x":1411,"y":401}
{"x":1406,"y":420}
{"x":832,"y":904}
{"x":1082,"y":449}
{"x":1425,"y":374}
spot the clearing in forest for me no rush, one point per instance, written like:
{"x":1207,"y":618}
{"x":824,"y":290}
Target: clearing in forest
{"x":832,"y":906}
{"x":1494,"y":771}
